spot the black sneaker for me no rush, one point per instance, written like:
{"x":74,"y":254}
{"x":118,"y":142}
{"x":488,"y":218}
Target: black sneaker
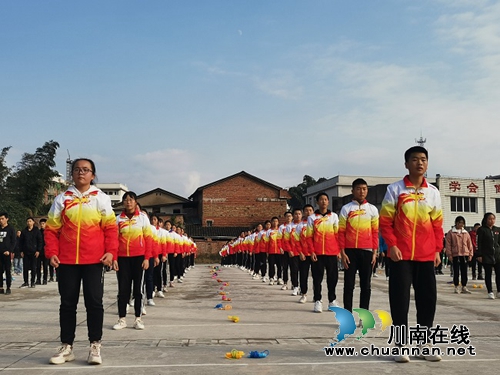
{"x":24,"y":285}
{"x":38,"y":282}
{"x":51,"y":280}
{"x":2,"y":291}
{"x":32,"y":285}
{"x":7,"y":291}
{"x":480,"y":277}
{"x":44,"y":282}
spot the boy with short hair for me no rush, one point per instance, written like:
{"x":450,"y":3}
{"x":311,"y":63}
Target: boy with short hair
{"x":358,"y":240}
{"x":411,"y":222}
{"x":321,"y":235}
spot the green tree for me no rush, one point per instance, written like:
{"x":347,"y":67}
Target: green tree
{"x":32,"y":176}
{"x":297,"y":192}
{"x":4,"y":170}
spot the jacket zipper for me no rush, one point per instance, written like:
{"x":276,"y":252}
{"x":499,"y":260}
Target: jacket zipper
{"x":78,"y":231}
{"x":128,"y":237}
{"x":414,"y":226}
{"x":357,"y":228}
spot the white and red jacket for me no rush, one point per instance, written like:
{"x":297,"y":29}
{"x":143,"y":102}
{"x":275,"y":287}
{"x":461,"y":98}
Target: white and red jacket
{"x":135,"y":235}
{"x":81,"y":227}
{"x":358,"y":226}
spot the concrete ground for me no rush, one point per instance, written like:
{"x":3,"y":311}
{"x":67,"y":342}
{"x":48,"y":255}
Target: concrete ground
{"x":185,"y":335}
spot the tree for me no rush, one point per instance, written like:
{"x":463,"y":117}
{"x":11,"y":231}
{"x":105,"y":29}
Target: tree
{"x":4,"y":170}
{"x":297,"y":192}
{"x":32,"y":177}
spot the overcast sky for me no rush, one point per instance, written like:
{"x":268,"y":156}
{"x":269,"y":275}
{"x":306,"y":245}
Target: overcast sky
{"x":178,"y":94}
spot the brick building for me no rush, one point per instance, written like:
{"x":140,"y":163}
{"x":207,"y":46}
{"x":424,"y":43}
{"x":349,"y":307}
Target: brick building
{"x":240,"y":200}
{"x":227,"y":207}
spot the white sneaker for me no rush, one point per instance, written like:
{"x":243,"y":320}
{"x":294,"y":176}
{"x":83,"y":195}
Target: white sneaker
{"x":303,"y":299}
{"x":318,"y":306}
{"x":465,"y":290}
{"x":64,"y":354}
{"x":275,"y":278}
{"x":127,"y":308}
{"x":165,"y":289}
{"x":295,"y":291}
{"x":160,"y":294}
{"x":179,"y":280}
{"x":491,"y":295}
{"x":171,"y":284}
{"x":95,"y":354}
{"x":143,"y":310}
{"x":271,"y":282}
{"x":122,"y":323}
{"x":265,"y":279}
{"x":280,"y":282}
{"x":256,"y":277}
{"x":402,"y":358}
{"x":333,"y":304}
{"x":182,"y":277}
{"x":457,"y":290}
{"x":375,"y":275}
{"x":284,"y":287}
{"x":138,"y":324}
{"x":427,"y":348}
{"x":151,"y":302}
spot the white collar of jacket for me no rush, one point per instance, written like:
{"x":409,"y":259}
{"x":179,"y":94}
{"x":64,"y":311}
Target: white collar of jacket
{"x":455,"y":230}
{"x":77,"y":192}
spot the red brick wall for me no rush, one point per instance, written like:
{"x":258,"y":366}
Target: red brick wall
{"x":209,"y":250}
{"x":240,"y":201}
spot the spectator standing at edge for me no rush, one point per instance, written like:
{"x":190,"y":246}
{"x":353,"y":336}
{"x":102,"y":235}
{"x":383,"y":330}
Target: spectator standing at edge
{"x":411,"y":222}
{"x":7,"y":246}
{"x":459,"y":251}
{"x":488,"y":253}
{"x":42,"y":264}
{"x":475,"y":263}
{"x":81,"y":238}
{"x":31,"y":243}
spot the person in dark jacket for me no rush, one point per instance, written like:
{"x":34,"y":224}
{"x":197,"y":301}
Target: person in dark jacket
{"x":31,"y":245}
{"x":488,"y":252}
{"x":7,"y":245}
{"x":42,"y":263}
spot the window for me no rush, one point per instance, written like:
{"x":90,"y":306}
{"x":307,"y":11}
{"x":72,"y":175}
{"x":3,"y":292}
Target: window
{"x":464,"y":204}
{"x":210,"y":223}
{"x":497,"y":205}
{"x":176,"y":210}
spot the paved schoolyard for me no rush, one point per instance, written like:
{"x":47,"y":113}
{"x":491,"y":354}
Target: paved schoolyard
{"x":185,"y":335}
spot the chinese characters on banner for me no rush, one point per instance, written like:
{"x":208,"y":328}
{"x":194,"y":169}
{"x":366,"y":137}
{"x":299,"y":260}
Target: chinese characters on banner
{"x":472,"y":187}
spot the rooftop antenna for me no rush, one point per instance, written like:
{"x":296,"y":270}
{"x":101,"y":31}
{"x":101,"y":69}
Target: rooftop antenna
{"x":69,"y":179}
{"x":421,"y":141}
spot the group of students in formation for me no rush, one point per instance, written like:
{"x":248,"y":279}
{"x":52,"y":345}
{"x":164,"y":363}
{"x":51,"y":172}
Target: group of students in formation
{"x":314,"y":241}
{"x":411,"y":238}
{"x":83,"y":238}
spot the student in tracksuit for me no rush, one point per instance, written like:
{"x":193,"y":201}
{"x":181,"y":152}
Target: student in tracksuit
{"x":134,"y":252}
{"x":81,"y":238}
{"x":358,"y":240}
{"x":411,"y":222}
{"x":322,"y":236}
